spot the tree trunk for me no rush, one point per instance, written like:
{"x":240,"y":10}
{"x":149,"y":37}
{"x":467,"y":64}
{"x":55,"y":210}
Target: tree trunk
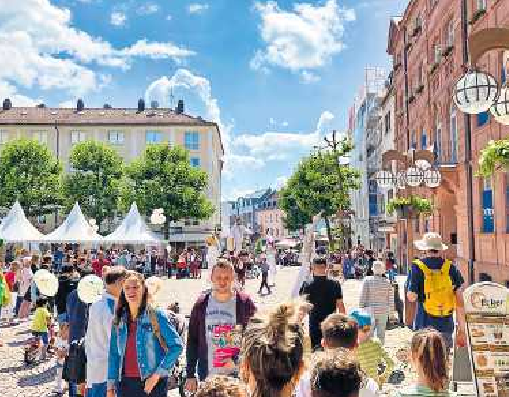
{"x":329,"y":232}
{"x":166,"y":229}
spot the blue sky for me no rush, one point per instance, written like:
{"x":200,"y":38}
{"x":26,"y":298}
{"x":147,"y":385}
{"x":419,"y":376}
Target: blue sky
{"x":276,"y":75}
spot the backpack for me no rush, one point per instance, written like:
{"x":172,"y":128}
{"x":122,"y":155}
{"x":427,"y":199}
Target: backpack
{"x":440,"y":299}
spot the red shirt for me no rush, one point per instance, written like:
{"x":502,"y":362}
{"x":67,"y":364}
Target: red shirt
{"x":97,"y":266}
{"x":131,"y":369}
{"x":10,"y":278}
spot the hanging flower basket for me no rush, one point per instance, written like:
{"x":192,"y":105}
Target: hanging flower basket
{"x":494,"y":156}
{"x":409,"y":207}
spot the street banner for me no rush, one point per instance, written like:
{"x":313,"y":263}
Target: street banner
{"x":487,"y":318}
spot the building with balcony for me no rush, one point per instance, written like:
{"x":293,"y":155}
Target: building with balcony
{"x":426,"y":45}
{"x":270,"y":218}
{"x":246,"y":207}
{"x":128,"y":131}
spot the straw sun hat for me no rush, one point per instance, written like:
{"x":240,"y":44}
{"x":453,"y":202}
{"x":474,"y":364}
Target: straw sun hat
{"x":430,"y":242}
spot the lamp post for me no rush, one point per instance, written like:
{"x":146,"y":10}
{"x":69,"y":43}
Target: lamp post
{"x":476,"y":92}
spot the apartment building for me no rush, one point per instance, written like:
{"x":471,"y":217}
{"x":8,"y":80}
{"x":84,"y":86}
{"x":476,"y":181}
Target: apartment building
{"x":128,"y":130}
{"x":270,"y":217}
{"x":426,"y":45}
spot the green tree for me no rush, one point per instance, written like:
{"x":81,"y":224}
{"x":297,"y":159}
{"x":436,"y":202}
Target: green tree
{"x":320,"y":184}
{"x":30,"y":174}
{"x":164,"y":178}
{"x":95,"y":181}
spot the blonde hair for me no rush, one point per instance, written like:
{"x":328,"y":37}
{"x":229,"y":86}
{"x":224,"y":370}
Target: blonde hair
{"x":273,"y":351}
{"x":431,"y":354}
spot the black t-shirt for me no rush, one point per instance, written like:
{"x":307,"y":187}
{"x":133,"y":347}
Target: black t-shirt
{"x":322,"y":293}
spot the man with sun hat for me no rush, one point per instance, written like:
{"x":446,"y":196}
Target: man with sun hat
{"x":435,"y":283}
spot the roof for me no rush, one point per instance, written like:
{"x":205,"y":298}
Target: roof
{"x":16,"y":228}
{"x":100,"y":116}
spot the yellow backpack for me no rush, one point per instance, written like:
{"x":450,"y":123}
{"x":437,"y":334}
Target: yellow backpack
{"x":438,"y":290}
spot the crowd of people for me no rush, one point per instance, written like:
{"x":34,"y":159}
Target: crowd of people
{"x":306,"y":348}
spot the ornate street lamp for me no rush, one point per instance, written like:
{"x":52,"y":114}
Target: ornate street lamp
{"x":385,"y":179}
{"x":414,"y":176}
{"x":500,"y":109}
{"x":475,"y":92}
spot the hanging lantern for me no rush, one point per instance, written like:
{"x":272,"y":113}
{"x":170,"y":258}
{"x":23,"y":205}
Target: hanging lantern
{"x":385,"y":179}
{"x":500,"y":109}
{"x":401,"y":180}
{"x":422,"y":164}
{"x":432,"y":178}
{"x":475,"y":92}
{"x":414,"y":176}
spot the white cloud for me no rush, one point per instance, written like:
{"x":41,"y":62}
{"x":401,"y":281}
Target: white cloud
{"x":308,"y":77}
{"x":40,"y":48}
{"x":281,"y":182}
{"x":280,"y":146}
{"x":196,"y":8}
{"x":304,"y":38}
{"x":147,"y":9}
{"x":168,"y":17}
{"x":118,"y":18}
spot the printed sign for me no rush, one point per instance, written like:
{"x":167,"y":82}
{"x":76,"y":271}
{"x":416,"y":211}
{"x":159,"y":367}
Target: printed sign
{"x":487,"y":317}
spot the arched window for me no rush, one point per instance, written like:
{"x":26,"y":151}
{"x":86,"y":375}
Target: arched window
{"x":450,"y":34}
{"x":424,"y":139}
{"x":453,"y":134}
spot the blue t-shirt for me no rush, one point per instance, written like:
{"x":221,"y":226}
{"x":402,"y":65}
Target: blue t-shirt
{"x":416,"y":285}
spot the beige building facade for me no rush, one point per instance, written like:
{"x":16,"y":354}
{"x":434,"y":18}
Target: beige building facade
{"x":128,"y":131}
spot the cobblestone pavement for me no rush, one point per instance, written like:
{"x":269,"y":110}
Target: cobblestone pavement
{"x":38,"y":380}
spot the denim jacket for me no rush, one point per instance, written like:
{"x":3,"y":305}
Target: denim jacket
{"x":151,"y":357}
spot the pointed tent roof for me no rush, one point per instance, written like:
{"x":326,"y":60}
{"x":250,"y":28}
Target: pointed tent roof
{"x":16,"y":228}
{"x":75,"y":229}
{"x":132,"y":230}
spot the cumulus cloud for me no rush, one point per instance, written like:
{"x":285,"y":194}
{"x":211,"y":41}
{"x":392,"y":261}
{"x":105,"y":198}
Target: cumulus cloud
{"x":308,"y":77}
{"x":279,"y":146}
{"x":40,"y":48}
{"x":196,"y":8}
{"x":303,"y":38}
{"x":147,"y":9}
{"x":118,"y":18}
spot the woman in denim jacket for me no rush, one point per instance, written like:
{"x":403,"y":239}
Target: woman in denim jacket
{"x":144,"y":346}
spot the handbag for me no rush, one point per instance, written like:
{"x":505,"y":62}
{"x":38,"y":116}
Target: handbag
{"x":75,"y":364}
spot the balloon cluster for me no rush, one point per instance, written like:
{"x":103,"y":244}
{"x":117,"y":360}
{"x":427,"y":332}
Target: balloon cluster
{"x":158,"y":217}
{"x":93,"y":224}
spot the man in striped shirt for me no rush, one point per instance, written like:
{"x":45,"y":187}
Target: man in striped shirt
{"x":377,"y":298}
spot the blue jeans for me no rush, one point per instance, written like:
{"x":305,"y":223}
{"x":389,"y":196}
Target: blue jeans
{"x":42,"y":335}
{"x":134,"y":387}
{"x":73,"y":389}
{"x":19,"y":300}
{"x":97,"y":390}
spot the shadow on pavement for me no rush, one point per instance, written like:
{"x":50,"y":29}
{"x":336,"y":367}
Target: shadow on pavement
{"x":36,"y":379}
{"x":18,"y":343}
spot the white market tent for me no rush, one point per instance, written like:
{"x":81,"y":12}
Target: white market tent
{"x":75,"y":229}
{"x":16,"y":228}
{"x":132,"y":230}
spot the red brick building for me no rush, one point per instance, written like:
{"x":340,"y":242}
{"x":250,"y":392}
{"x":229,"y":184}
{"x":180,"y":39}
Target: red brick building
{"x":426,"y":45}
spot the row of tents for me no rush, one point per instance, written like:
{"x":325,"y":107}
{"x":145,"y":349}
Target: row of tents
{"x":16,"y":228}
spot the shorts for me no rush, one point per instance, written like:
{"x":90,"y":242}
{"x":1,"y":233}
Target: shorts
{"x":42,"y":335}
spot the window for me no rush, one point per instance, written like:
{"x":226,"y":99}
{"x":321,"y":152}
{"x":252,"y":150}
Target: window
{"x":414,"y":140}
{"x":270,"y":217}
{"x":192,"y":140}
{"x":481,"y":5}
{"x":78,"y":136}
{"x":153,"y":136}
{"x":488,"y":212}
{"x":382,"y":204}
{"x":417,"y":225}
{"x":454,"y":135}
{"x":437,"y":53}
{"x":40,"y":136}
{"x":505,"y":67}
{"x":483,"y":118}
{"x":4,"y":137}
{"x":438,"y":136}
{"x":426,"y":226}
{"x":115,"y":137}
{"x":421,"y":74}
{"x":195,"y":162}
{"x":450,"y":34}
{"x":387,"y":122}
{"x":424,"y":139}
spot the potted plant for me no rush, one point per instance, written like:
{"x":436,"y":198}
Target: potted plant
{"x":409,"y":207}
{"x":494,"y":156}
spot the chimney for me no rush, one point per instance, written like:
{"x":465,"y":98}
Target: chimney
{"x":180,"y":107}
{"x":154,"y":104}
{"x":7,"y":105}
{"x":141,"y":105}
{"x":80,"y":105}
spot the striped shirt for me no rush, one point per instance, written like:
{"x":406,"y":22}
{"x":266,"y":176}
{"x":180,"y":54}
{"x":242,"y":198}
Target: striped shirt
{"x":377,"y":295}
{"x":371,"y":353}
{"x":422,"y":391}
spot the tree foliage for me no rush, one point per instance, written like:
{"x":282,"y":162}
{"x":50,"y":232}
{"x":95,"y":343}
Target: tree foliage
{"x":30,"y":174}
{"x":320,"y":184}
{"x":164,"y":178}
{"x":95,"y":180}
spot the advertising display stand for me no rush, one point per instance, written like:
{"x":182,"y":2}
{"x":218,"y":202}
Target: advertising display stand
{"x":487,"y":319}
